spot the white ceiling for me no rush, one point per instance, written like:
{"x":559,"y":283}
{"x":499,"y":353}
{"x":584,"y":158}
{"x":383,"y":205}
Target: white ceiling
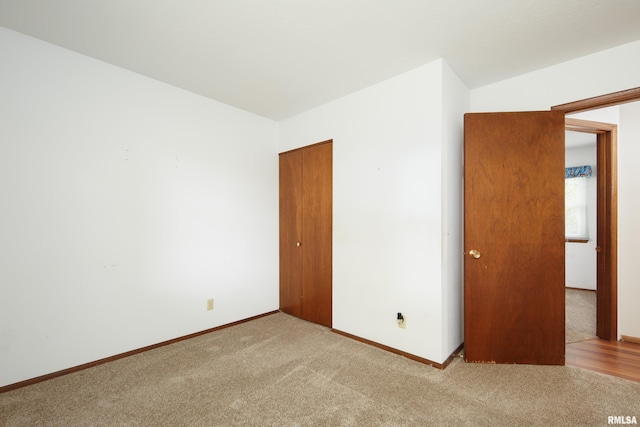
{"x":277,"y":58}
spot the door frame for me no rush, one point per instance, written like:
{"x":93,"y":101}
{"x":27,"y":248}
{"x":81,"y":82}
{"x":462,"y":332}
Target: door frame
{"x":607,"y":210}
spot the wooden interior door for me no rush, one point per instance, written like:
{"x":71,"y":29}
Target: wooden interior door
{"x":306,"y":233}
{"x":514,"y":294}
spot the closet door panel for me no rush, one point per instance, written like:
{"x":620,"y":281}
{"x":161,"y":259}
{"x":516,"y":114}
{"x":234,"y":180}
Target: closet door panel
{"x":291,"y":233}
{"x":317,"y":233}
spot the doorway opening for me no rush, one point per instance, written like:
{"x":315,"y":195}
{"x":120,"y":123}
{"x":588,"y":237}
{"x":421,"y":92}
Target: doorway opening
{"x":606,"y":224}
{"x":580,"y":236}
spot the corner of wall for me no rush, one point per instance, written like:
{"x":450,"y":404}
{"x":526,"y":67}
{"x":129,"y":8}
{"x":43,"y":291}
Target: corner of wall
{"x":455,"y":103}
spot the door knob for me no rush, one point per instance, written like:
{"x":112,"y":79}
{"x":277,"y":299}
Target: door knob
{"x":474,"y":253}
{"x":298,"y":244}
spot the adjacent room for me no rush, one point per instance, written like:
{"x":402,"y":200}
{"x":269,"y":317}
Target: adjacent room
{"x":581,"y":214}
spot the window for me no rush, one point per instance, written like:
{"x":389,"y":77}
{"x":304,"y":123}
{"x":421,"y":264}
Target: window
{"x":575,"y":205}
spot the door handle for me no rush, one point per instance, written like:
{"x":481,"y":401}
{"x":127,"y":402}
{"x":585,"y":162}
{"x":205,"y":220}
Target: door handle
{"x":474,"y":253}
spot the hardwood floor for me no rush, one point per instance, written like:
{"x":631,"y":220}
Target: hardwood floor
{"x":620,"y":359}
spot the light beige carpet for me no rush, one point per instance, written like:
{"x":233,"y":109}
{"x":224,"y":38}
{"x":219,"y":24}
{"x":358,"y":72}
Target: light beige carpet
{"x":282,"y":371}
{"x":580,"y":315}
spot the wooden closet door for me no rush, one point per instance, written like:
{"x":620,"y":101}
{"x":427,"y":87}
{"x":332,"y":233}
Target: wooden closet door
{"x":306,"y":233}
{"x":291,"y":233}
{"x":317,"y":233}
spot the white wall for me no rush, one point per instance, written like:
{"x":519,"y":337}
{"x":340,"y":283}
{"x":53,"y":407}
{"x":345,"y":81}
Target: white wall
{"x":388,"y":238}
{"x":598,"y":74}
{"x":628,"y":219}
{"x":455,"y":105}
{"x":580,"y":266}
{"x":126,"y":204}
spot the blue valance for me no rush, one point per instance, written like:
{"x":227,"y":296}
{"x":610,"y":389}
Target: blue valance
{"x":577,"y":171}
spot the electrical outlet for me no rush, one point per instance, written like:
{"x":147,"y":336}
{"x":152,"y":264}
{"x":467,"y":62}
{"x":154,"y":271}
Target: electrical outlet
{"x":402,"y":321}
{"x":210,"y":304}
